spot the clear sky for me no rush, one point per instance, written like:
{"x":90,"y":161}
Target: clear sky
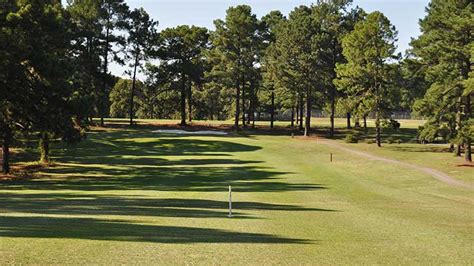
{"x":404,"y":14}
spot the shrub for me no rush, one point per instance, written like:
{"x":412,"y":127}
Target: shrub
{"x":351,"y":138}
{"x":398,"y":141}
{"x":427,"y":133}
{"x":393,"y":124}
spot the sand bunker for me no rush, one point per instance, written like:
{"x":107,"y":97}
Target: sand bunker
{"x":184,"y":132}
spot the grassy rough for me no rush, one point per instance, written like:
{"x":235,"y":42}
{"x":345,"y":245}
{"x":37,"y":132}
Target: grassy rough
{"x":134,"y":197}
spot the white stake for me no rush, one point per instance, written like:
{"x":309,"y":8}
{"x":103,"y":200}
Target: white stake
{"x":230,"y":201}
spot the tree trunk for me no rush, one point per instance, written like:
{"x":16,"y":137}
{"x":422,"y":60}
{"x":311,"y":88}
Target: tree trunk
{"x":297,"y":111}
{"x":365,"y":123}
{"x":7,"y":138}
{"x":467,"y":145}
{"x":183,"y":100}
{"x":190,"y":103}
{"x":237,"y":105}
{"x":348,"y":116}
{"x":91,"y":83}
{"x":459,"y":124}
{"x":44,"y":148}
{"x":301,"y":112}
{"x":378,"y":138}
{"x":307,"y":126}
{"x":243,"y":103}
{"x":272,"y":110}
{"x":468,"y":152}
{"x":211,"y":112}
{"x":106,"y":63}
{"x":104,"y":78}
{"x":292,"y":116}
{"x":451,"y":147}
{"x":249,"y":110}
{"x":101,"y":113}
{"x":132,"y":94}
{"x":254,"y":106}
{"x":253,"y":103}
{"x":357,"y":122}
{"x":458,"y":150}
{"x":333,"y":111}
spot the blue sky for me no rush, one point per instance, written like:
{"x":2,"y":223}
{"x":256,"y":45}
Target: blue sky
{"x":404,"y":14}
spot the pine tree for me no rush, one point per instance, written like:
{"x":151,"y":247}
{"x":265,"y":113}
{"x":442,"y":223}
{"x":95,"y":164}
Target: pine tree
{"x":232,"y":56}
{"x":120,"y":98}
{"x":445,"y":48}
{"x":181,"y":53}
{"x":142,"y":36}
{"x":298,"y":55}
{"x":368,"y":74}
{"x":112,"y":16}
{"x":14,"y":83}
{"x":337,"y":20}
{"x":269,"y":28}
{"x":86,"y":55}
{"x":45,"y":26}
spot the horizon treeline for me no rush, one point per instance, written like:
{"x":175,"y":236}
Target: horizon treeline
{"x":331,"y":55}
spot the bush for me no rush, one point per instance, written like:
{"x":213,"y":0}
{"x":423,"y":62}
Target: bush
{"x":398,"y":141}
{"x":392,"y":124}
{"x":427,"y":133}
{"x":351,"y":138}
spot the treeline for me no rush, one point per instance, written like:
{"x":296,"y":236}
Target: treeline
{"x":54,"y":65}
{"x":55,"y":68}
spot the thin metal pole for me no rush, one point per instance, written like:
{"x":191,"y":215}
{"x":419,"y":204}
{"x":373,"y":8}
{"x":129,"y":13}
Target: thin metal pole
{"x":331,"y":157}
{"x":230,"y":201}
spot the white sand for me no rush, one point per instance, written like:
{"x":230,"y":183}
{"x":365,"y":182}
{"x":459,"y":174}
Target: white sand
{"x":183,"y":132}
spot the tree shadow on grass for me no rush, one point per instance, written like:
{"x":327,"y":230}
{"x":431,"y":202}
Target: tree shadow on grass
{"x":140,"y":160}
{"x":115,"y":144}
{"x":406,"y":135}
{"x":421,"y":148}
{"x":76,"y":204}
{"x":98,"y":229}
{"x":199,"y":178}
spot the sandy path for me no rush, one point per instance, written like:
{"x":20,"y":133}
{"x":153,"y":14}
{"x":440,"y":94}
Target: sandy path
{"x":433,"y":172}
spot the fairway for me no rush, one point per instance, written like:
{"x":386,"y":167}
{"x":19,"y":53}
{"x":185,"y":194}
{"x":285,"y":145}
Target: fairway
{"x":252,"y":132}
{"x":131,"y":196}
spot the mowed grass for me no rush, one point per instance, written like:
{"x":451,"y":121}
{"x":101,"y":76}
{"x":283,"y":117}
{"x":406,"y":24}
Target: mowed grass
{"x":130,"y":196}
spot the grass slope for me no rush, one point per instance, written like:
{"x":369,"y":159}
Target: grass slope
{"x":135,"y":197}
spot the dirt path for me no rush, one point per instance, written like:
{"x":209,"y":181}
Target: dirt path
{"x":433,"y":172}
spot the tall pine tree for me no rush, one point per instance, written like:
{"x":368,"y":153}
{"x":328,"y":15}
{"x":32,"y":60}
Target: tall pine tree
{"x":367,"y":75}
{"x":445,"y":47}
{"x":142,"y":37}
{"x":233,"y":54}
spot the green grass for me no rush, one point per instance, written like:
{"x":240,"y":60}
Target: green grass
{"x":129,"y":196}
{"x":436,"y":156}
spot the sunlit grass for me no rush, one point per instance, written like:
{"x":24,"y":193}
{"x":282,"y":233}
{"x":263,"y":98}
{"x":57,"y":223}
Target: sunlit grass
{"x":130,"y":196}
